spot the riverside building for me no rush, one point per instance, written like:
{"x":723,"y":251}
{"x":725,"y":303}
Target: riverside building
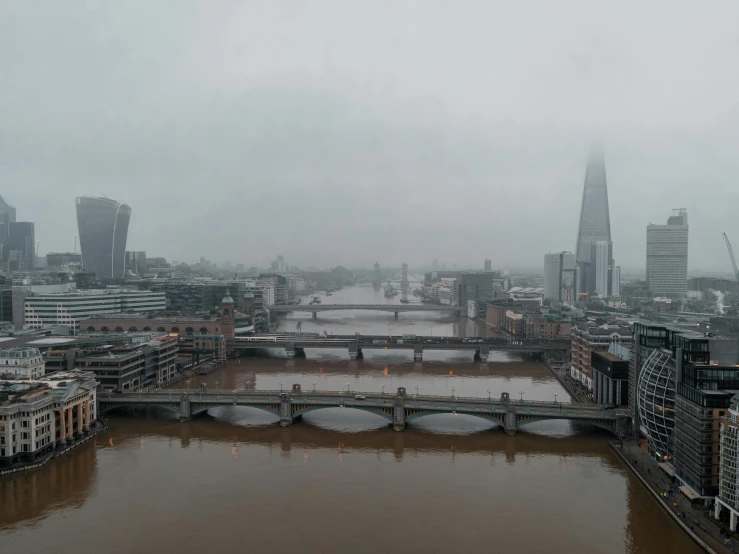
{"x":37,"y":415}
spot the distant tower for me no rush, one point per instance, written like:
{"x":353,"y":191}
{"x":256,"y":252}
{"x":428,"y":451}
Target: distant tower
{"x":595,"y":220}
{"x":488,"y":264}
{"x":404,"y":277}
{"x":667,"y":256}
{"x":249,"y":307}
{"x":227,"y":317}
{"x":376,"y":281}
{"x":103,"y":229}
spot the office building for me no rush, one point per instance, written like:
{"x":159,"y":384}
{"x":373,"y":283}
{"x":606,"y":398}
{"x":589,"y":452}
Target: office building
{"x":22,"y":246}
{"x":595,"y":223}
{"x":69,"y":308}
{"x":136,"y":262}
{"x":610,"y":378}
{"x":131,"y":366}
{"x":61,"y":261}
{"x":488,"y":264}
{"x":559,"y":276}
{"x":587,"y":337}
{"x":21,"y":363}
{"x":667,"y":256}
{"x":103,"y":231}
{"x":728,"y":494}
{"x":704,"y":394}
{"x":599,"y":267}
{"x":7,"y":216}
{"x":37,"y":415}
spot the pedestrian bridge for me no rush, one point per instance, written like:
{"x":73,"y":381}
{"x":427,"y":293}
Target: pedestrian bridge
{"x":399,"y":408}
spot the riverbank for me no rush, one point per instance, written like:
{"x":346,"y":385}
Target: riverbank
{"x":567,"y":382}
{"x":692,"y":521}
{"x":99,"y":428}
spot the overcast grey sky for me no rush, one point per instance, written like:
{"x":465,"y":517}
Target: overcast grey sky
{"x":352,"y":131}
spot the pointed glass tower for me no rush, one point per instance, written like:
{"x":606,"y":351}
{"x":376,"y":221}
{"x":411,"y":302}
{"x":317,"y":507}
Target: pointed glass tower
{"x":595,"y":222}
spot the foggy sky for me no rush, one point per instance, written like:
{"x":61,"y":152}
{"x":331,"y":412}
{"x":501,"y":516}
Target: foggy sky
{"x":344,"y":132}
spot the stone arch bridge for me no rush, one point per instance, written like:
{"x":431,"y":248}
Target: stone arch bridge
{"x":398,"y":409}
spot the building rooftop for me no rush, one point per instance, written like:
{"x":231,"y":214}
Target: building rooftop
{"x":20,"y":352}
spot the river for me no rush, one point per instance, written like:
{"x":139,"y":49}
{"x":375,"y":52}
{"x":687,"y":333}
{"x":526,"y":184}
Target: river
{"x":341,"y":480}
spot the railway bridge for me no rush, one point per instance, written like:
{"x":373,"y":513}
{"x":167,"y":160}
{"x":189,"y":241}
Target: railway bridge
{"x":398,"y":409}
{"x":296,"y":345}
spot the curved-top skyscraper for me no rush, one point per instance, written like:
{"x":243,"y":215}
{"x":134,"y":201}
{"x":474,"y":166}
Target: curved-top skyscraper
{"x":595,"y":221}
{"x":103,"y":230}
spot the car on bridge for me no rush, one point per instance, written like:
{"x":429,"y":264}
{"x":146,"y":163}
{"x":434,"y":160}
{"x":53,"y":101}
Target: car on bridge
{"x":359,"y":397}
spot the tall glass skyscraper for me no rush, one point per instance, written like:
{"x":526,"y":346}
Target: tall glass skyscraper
{"x":103,"y":230}
{"x":595,"y":221}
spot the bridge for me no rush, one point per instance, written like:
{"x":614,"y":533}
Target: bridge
{"x":398,"y":409}
{"x":395,"y":308}
{"x":295,"y":345}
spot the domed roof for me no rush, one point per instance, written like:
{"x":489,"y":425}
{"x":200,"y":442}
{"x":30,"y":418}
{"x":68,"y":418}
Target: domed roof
{"x":248,"y":295}
{"x":227,"y":299}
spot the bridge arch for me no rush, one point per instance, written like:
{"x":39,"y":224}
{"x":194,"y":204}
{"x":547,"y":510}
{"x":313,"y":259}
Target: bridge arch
{"x":203,"y":331}
{"x":147,"y":328}
{"x":486,"y":417}
{"x":594,"y":423}
{"x":106,"y":407}
{"x":104,"y":330}
{"x":201,"y":409}
{"x":369,"y":409}
{"x":90,"y":329}
{"x":132,"y":329}
{"x":189,"y":331}
{"x":161,"y":330}
{"x":119,"y":329}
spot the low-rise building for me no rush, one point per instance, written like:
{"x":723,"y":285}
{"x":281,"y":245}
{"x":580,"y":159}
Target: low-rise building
{"x":610,"y":379}
{"x":131,"y":366}
{"x":37,"y":415}
{"x":588,"y":338}
{"x":69,"y":308}
{"x":21,"y":363}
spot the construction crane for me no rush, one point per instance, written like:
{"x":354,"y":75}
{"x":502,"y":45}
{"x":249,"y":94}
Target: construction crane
{"x":733,"y":260}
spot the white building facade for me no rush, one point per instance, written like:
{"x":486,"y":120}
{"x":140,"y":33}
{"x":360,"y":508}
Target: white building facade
{"x":22,"y":363}
{"x":72,"y":307}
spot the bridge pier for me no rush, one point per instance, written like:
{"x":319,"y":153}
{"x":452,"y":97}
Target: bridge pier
{"x":286,"y":417}
{"x":510,"y":420}
{"x":399,"y":411}
{"x":315,"y":315}
{"x":418,"y":353}
{"x":396,"y":315}
{"x":355,"y":353}
{"x":300,"y":352}
{"x":290,"y":351}
{"x":185,"y":409}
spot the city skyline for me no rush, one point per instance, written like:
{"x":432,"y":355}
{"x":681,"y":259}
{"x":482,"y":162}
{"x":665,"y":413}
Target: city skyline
{"x":359,"y":144}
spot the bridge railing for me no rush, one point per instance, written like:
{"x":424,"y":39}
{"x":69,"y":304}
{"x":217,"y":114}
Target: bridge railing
{"x":165,"y":393}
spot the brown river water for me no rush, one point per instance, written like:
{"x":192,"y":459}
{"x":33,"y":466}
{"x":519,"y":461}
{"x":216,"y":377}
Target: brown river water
{"x":341,"y":480}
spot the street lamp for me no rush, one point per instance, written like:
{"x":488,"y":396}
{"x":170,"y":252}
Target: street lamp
{"x":188,"y":385}
{"x":452,"y":393}
{"x":383,"y":389}
{"x":216,"y":387}
{"x":314,"y":387}
{"x":390,"y":329}
{"x":281,"y":386}
{"x":347,"y":388}
{"x":555,"y":397}
{"x":489,"y":391}
{"x":521,"y":393}
{"x":416,"y":390}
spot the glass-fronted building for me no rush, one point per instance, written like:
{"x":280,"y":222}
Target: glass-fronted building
{"x":103,"y":230}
